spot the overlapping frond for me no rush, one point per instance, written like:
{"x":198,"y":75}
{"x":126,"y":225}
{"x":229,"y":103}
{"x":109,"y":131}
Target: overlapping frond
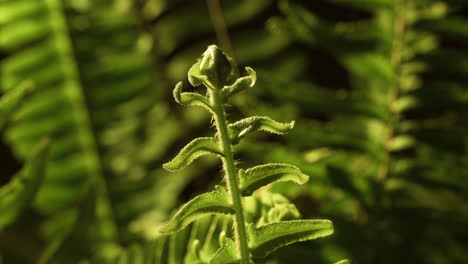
{"x":93,"y":89}
{"x":384,"y":139}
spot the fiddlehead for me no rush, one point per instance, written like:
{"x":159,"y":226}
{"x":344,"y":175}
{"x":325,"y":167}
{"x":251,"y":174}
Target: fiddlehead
{"x":221,"y":77}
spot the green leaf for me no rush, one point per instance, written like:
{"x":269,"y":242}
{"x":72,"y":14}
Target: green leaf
{"x":227,"y":254}
{"x":216,"y":202}
{"x":240,"y":84}
{"x":191,"y":98}
{"x":344,"y":261}
{"x":177,"y":245}
{"x":21,"y":190}
{"x":198,"y":147}
{"x":270,"y":237}
{"x":194,"y":75}
{"x":258,"y":176}
{"x":369,"y":65}
{"x":266,"y":207}
{"x":247,"y":125}
{"x":207,"y":235}
{"x":10,"y":101}
{"x":401,"y":142}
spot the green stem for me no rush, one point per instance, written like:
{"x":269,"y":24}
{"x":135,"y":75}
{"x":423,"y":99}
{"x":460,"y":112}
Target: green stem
{"x":399,"y":30}
{"x":398,"y":33}
{"x":232,"y":180}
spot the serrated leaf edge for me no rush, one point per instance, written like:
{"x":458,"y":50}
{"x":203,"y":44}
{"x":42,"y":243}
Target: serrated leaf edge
{"x":252,"y":179}
{"x":247,"y":125}
{"x":193,"y":150}
{"x":262,"y":249}
{"x":185,"y":216}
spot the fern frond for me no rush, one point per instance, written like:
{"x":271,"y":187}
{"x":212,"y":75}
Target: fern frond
{"x":82,"y":95}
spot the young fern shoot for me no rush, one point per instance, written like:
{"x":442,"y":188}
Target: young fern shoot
{"x":221,"y":77}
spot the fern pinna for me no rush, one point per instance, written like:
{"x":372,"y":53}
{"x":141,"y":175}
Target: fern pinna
{"x":221,"y":77}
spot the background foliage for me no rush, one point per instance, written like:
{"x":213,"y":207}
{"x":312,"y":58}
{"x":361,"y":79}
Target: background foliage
{"x":377,"y":89}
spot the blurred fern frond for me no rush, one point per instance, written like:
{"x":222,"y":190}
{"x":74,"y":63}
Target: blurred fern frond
{"x":384,"y":140}
{"x":86,"y":89}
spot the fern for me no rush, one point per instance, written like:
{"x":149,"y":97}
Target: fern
{"x":372,"y":138}
{"x":377,"y":88}
{"x":21,"y":190}
{"x":201,"y":240}
{"x":220,"y":75}
{"x":78,"y":102}
{"x":113,"y":79}
{"x":18,"y":194}
{"x":12,"y":100}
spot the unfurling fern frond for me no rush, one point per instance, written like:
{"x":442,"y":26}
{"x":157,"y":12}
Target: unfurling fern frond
{"x":215,"y":70}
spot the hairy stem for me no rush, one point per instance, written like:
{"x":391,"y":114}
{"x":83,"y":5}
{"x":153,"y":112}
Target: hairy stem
{"x":231,"y":174}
